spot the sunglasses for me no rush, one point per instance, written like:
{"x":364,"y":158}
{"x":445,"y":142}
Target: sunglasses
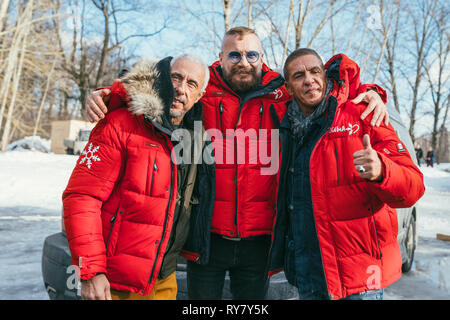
{"x":236,"y":56}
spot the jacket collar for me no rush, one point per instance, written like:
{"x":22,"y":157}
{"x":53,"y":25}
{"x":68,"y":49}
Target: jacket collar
{"x":149,"y":90}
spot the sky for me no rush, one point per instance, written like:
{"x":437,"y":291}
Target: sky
{"x":197,"y":28}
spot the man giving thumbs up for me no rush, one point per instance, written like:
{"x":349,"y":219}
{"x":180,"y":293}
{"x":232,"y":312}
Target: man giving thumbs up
{"x":335,"y":233}
{"x":367,"y":162}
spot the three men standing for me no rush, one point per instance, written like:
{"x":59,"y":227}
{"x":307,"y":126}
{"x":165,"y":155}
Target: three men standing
{"x":242,"y":94}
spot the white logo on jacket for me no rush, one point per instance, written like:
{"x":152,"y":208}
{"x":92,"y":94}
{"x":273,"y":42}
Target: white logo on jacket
{"x":277,"y":93}
{"x":89,"y":155}
{"x":351,"y":128}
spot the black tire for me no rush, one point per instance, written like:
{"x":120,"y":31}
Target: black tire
{"x":69,"y":151}
{"x":410,"y":245}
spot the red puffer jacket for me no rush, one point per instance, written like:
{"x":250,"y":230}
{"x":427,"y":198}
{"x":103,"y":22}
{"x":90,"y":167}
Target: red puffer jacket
{"x":119,"y":203}
{"x":245,"y":199}
{"x":354,"y":219}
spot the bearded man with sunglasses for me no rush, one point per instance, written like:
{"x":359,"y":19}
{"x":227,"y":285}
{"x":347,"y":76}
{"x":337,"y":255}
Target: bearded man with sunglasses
{"x":243,"y":94}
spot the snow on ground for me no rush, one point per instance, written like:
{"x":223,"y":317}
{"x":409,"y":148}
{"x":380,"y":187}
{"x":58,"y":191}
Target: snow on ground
{"x":30,"y":143}
{"x":430,"y":275}
{"x":32,"y":183}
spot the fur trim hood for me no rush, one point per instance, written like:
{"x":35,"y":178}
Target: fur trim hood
{"x":147,"y":90}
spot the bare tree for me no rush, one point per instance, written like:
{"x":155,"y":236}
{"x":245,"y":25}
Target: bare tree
{"x":227,"y":7}
{"x":386,"y":30}
{"x":444,"y":143}
{"x":90,"y":64}
{"x":22,"y":43}
{"x":436,"y":70}
{"x":3,"y":11}
{"x":44,"y":97}
{"x":421,"y":13}
{"x":322,"y":11}
{"x":391,"y":46}
{"x":389,"y":30}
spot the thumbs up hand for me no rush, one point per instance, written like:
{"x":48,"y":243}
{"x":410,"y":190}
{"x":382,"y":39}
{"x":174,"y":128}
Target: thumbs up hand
{"x":367,"y":163}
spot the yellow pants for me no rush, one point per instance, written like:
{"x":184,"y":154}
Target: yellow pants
{"x":164,"y":289}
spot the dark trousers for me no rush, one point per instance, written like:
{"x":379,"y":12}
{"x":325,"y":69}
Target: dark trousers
{"x":246,"y":262}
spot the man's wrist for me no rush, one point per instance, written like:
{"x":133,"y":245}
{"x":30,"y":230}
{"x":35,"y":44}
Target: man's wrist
{"x":90,"y":278}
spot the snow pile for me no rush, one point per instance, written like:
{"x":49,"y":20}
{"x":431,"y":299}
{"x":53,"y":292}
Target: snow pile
{"x":30,"y":178}
{"x":429,"y":277}
{"x":30,"y":143}
{"x":437,"y":178}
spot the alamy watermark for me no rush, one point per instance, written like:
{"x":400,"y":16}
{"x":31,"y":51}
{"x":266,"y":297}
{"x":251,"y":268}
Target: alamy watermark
{"x":373,"y":22}
{"x":374,"y":280}
{"x":73,"y":281}
{"x":213,"y":146}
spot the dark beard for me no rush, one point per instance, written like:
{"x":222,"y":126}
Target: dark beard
{"x":241,"y":87}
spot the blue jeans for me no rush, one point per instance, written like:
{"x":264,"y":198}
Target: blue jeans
{"x":246,"y":262}
{"x":368,"y":295}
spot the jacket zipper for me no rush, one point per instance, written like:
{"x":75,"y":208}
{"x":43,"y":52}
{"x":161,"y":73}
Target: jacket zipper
{"x":241,"y":104}
{"x":165,"y":218}
{"x":113,"y":221}
{"x":220,"y":115}
{"x":261,"y":110}
{"x":379,"y":254}
{"x":337,"y":163}
{"x":236,"y":222}
{"x":155,"y":168}
{"x":312,"y":203}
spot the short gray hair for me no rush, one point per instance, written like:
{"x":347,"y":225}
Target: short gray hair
{"x":196,"y":59}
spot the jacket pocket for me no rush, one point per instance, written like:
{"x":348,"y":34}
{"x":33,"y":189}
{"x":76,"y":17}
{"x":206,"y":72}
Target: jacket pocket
{"x":113,"y":233}
{"x":152,"y":168}
{"x":152,"y":179}
{"x":377,"y":248}
{"x":337,"y":163}
{"x":220,"y":115}
{"x":261,"y":113}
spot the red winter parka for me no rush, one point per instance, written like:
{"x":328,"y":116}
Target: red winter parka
{"x":120,"y":199}
{"x":354,"y":220}
{"x":245,"y":199}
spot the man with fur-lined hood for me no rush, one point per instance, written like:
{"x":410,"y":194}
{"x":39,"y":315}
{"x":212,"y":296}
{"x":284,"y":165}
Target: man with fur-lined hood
{"x":125,"y":211}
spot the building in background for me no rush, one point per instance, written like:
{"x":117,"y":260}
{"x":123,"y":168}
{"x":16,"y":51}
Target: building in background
{"x":66,"y":129}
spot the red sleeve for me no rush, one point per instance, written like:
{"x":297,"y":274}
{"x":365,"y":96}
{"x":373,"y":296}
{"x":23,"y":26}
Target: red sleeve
{"x":90,"y":184}
{"x":119,"y":97}
{"x":381,"y":92}
{"x":349,"y":72}
{"x":402,"y":183}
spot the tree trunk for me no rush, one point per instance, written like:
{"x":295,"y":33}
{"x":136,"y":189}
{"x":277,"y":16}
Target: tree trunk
{"x":286,"y":40}
{"x":42,"y":102}
{"x":28,"y":14}
{"x":3,"y":12}
{"x":105,"y":47}
{"x":249,"y":13}
{"x":227,"y":13}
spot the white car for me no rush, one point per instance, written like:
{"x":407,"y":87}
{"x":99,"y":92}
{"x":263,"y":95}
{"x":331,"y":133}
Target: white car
{"x":77,"y":146}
